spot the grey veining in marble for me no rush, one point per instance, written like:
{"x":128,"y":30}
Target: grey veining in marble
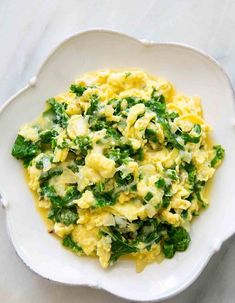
{"x":31,"y":29}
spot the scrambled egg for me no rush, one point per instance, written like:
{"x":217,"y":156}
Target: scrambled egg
{"x":120,"y":164}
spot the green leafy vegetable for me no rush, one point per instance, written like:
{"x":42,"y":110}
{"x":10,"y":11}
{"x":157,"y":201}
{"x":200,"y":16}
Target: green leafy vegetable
{"x":148,"y":232}
{"x":113,"y":132}
{"x":105,"y":199}
{"x":161,"y":183}
{"x":74,"y":167}
{"x":47,"y":136}
{"x":192,"y":172}
{"x":177,"y":239}
{"x":58,"y":110}
{"x":94,"y":104}
{"x":157,"y":103}
{"x":168,"y":249}
{"x":48,"y":191}
{"x":171,"y":137}
{"x":122,"y":179}
{"x":127,"y":74}
{"x":192,"y":139}
{"x":45,"y":176}
{"x":166,"y":201}
{"x":25,"y":150}
{"x":84,"y":143}
{"x":148,"y":196}
{"x":131,"y":101}
{"x":72,"y":193}
{"x":116,"y":104}
{"x":71,"y":244}
{"x":66,"y":216}
{"x":118,"y":155}
{"x":151,"y":135}
{"x":98,"y":123}
{"x":78,"y":89}
{"x":45,"y":159}
{"x":172,"y":116}
{"x":196,"y":186}
{"x":171,"y":173}
{"x":219,"y":155}
{"x":120,"y":245}
{"x":184,"y":214}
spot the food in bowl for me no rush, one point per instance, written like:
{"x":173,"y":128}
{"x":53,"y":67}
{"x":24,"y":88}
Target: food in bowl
{"x":120,"y":164}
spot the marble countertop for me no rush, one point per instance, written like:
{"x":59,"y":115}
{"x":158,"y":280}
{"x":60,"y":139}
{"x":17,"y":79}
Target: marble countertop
{"x":31,"y":29}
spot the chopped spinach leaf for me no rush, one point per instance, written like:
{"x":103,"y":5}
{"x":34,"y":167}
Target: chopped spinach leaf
{"x":127,"y":74}
{"x":148,"y":196}
{"x":166,"y":201}
{"x":84,"y":143}
{"x":119,"y":155}
{"x":97,"y":123}
{"x":78,"y":89}
{"x":157,"y":104}
{"x":43,"y":161}
{"x":171,"y":173}
{"x":168,"y":249}
{"x":172,"y":116}
{"x":72,"y":193}
{"x":120,"y":245}
{"x":45,"y":176}
{"x":113,"y":132}
{"x":171,"y":137}
{"x":192,"y":172}
{"x":64,"y":215}
{"x":151,"y":135}
{"x":25,"y":150}
{"x":190,"y":138}
{"x":219,"y":155}
{"x":74,"y":167}
{"x":48,"y":191}
{"x":160,"y":183}
{"x":94,"y":104}
{"x":104,"y":199}
{"x":147,"y":232}
{"x":71,"y":244}
{"x":123,"y":180}
{"x":177,"y":239}
{"x":47,"y":136}
{"x":184,"y":214}
{"x":58,"y":110}
{"x":131,"y":101}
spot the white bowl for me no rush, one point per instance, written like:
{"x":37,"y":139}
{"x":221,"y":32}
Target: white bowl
{"x":192,"y":72}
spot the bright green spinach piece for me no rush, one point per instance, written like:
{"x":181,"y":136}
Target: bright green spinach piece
{"x":64,"y":215}
{"x":71,"y":244}
{"x":219,"y":155}
{"x":47,"y":175}
{"x":84,"y":143}
{"x":58,"y":112}
{"x":78,"y":90}
{"x":25,"y":150}
{"x":120,"y":245}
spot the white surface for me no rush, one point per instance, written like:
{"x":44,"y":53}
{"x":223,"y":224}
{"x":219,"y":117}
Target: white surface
{"x":31,"y":29}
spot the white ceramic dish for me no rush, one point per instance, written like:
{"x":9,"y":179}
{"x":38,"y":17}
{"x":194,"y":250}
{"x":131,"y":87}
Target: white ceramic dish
{"x":192,"y":72}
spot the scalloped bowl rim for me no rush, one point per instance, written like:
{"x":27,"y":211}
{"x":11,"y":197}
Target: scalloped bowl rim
{"x":33,"y":81}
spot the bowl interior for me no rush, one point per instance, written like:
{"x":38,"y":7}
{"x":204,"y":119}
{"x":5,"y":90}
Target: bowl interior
{"x":191,"y":73}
